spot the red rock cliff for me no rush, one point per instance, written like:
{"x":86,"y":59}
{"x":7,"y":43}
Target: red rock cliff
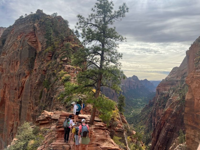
{"x":192,"y":111}
{"x":165,"y":113}
{"x":32,"y":52}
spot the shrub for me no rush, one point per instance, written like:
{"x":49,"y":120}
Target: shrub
{"x":121,"y":103}
{"x":105,"y":107}
{"x":181,"y":136}
{"x":27,"y":138}
{"x":117,"y":139}
{"x":66,"y":78}
{"x":46,"y":84}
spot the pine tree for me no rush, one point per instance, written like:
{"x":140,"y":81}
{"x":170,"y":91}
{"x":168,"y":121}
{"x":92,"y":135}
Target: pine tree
{"x":121,"y":103}
{"x":100,"y":59}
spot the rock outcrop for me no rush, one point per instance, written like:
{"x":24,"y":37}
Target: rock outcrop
{"x":192,"y":111}
{"x":2,"y":30}
{"x":167,"y":116}
{"x":32,"y":53}
{"x":100,"y":135}
{"x":164,"y":115}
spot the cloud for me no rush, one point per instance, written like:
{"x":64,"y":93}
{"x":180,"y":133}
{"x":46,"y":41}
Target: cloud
{"x":158,"y":32}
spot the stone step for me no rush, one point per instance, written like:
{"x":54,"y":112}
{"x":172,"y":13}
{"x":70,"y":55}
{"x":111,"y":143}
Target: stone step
{"x":59,"y":144}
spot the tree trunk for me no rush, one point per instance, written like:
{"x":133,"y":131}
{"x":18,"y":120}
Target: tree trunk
{"x":93,"y":115}
{"x":94,"y":108}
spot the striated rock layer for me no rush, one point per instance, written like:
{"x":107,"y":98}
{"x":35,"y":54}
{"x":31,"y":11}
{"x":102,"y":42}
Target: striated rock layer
{"x":32,"y":52}
{"x":168,"y":111}
{"x":164,"y":115}
{"x":192,"y":111}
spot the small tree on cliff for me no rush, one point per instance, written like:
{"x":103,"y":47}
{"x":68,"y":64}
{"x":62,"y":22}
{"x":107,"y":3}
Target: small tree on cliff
{"x":121,"y":103}
{"x":99,"y":58}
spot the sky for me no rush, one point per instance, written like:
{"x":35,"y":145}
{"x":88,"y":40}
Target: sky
{"x":158,"y":32}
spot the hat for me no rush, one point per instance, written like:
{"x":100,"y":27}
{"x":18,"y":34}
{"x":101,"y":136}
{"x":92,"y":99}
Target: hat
{"x":73,"y":103}
{"x":83,"y":120}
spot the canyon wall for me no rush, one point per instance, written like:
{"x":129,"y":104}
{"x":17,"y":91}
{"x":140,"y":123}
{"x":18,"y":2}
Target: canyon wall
{"x":192,"y":111}
{"x":167,"y":116}
{"x":2,"y":30}
{"x":164,"y":115}
{"x":32,"y":53}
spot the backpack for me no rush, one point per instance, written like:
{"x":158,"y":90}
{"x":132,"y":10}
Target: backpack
{"x":79,"y":107}
{"x":77,"y":129}
{"x":66,"y":123}
{"x":84,"y":131}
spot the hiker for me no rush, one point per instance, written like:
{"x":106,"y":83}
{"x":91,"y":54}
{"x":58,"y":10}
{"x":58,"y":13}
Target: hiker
{"x":67,"y":124}
{"x":75,"y":135}
{"x":84,"y":135}
{"x":76,"y":110}
{"x":71,"y":135}
{"x":82,"y":105}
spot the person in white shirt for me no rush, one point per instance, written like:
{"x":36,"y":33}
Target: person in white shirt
{"x":75,"y":112}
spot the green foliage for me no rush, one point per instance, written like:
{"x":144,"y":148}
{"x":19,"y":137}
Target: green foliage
{"x":49,"y":33}
{"x":46,"y":84}
{"x":121,"y":103}
{"x":105,"y":106}
{"x":61,"y":73}
{"x":137,"y":136}
{"x":181,"y":136}
{"x":27,"y":138}
{"x":117,"y":139}
{"x":137,"y":145}
{"x":66,"y":78}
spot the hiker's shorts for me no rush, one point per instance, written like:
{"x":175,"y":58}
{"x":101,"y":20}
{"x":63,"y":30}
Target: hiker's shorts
{"x":76,"y":139}
{"x":85,"y":140}
{"x":77,"y":113}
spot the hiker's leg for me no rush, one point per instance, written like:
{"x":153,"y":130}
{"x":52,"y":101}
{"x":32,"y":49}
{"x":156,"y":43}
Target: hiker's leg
{"x":86,"y":147}
{"x":77,"y":147}
{"x":65,"y":133}
{"x":68,"y":130}
{"x":80,"y":146}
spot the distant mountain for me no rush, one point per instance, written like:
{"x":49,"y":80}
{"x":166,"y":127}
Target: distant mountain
{"x":149,"y":85}
{"x":137,"y":93}
{"x":155,"y":83}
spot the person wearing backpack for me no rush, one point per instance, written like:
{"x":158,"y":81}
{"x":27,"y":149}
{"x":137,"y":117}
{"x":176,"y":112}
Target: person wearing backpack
{"x":84,"y":135}
{"x":75,"y":135}
{"x":76,"y":110}
{"x":67,"y":124}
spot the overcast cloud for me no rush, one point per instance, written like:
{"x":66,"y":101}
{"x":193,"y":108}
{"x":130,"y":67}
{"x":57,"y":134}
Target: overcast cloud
{"x":158,"y":32}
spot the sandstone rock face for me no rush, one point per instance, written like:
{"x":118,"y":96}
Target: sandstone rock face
{"x":2,"y":30}
{"x":30,"y":60}
{"x":192,"y":111}
{"x":165,"y":113}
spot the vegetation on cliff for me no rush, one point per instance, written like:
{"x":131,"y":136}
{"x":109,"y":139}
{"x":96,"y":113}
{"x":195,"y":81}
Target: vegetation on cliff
{"x":28,"y":138}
